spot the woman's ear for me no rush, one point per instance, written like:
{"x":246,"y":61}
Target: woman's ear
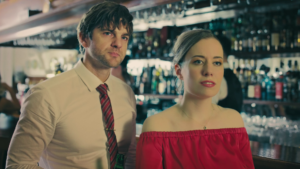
{"x":83,"y":40}
{"x":178,"y":71}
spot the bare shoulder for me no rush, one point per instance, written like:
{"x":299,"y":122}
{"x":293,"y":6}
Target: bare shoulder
{"x":158,"y":122}
{"x":232,"y":117}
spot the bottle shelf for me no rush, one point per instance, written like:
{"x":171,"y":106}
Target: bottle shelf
{"x":264,"y":54}
{"x":244,"y":54}
{"x":160,"y":96}
{"x":246,"y":101}
{"x":269,"y":102}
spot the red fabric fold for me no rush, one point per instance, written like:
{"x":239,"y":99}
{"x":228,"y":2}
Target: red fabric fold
{"x":199,"y":149}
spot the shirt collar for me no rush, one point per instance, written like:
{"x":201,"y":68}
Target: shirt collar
{"x":88,"y":78}
{"x":226,"y":65}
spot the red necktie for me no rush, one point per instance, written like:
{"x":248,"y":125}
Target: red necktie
{"x":109,"y":123}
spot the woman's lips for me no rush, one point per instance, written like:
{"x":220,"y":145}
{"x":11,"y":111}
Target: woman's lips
{"x":208,"y":83}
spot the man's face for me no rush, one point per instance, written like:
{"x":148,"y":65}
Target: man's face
{"x":108,"y":47}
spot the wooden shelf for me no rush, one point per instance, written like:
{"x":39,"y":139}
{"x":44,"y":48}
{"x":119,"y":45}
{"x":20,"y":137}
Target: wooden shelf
{"x":268,"y":102}
{"x":159,"y":96}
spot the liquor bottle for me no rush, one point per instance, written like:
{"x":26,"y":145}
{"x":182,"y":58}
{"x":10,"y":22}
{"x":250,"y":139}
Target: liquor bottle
{"x":134,"y":47}
{"x":279,"y":86}
{"x":297,"y":31}
{"x":251,"y":36}
{"x":275,"y":33}
{"x":161,"y":84}
{"x":294,"y":84}
{"x":155,"y":44}
{"x":266,"y":34}
{"x":154,"y":81}
{"x":58,"y":69}
{"x":272,"y":89}
{"x":143,"y":79}
{"x":266,"y":83}
{"x":257,"y":87}
{"x":258,"y":40}
{"x":283,"y":32}
{"x":289,"y":32}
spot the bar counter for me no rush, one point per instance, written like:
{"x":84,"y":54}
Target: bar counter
{"x":265,"y":155}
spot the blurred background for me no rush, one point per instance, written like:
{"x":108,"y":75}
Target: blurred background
{"x":38,"y":40}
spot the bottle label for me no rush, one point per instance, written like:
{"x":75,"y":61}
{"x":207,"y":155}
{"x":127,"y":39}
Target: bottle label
{"x":279,"y":86}
{"x":251,"y":91}
{"x":258,"y":43}
{"x":275,"y":39}
{"x":257,"y":91}
{"x":265,"y":42}
{"x":161,"y":88}
{"x":245,"y":43}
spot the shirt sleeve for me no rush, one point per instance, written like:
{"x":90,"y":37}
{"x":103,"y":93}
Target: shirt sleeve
{"x":33,"y":132}
{"x":246,"y":152}
{"x":130,"y":159}
{"x":148,"y":154}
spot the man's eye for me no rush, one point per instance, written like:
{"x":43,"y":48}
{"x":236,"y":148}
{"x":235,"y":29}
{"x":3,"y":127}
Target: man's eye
{"x":218,"y":63}
{"x":125,"y":38}
{"x":107,"y":33}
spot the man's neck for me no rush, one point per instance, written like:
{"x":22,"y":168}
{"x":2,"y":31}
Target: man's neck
{"x":97,"y":69}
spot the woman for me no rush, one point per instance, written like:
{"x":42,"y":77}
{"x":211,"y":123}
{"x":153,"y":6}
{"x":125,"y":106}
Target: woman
{"x":195,"y":133}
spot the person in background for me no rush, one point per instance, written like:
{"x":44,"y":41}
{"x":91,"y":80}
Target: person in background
{"x":10,"y":107}
{"x":195,"y":133}
{"x":230,"y":94}
{"x":84,"y":117}
{"x":121,"y":72}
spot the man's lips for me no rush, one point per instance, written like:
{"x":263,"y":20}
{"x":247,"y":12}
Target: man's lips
{"x":114,"y":54}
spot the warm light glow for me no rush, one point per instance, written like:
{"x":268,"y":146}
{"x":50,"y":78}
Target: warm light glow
{"x":50,"y":75}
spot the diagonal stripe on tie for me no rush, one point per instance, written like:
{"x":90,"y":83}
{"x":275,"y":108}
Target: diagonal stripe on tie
{"x":107,"y":112}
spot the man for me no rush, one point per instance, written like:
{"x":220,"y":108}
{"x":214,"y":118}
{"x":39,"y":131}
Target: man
{"x":82,"y":118}
{"x":121,"y":72}
{"x":230,"y":94}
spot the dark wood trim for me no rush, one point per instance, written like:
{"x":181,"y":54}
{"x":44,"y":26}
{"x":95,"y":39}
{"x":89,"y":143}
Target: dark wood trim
{"x":267,"y":163}
{"x":63,"y":17}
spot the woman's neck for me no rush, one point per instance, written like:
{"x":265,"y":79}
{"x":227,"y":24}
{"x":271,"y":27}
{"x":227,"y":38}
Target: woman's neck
{"x":196,"y":109}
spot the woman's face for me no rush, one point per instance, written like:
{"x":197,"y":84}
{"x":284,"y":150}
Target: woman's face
{"x":202,"y":70}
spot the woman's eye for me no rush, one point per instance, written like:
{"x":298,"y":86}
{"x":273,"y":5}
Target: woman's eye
{"x":218,"y":63}
{"x":125,"y":38}
{"x":198,"y":62}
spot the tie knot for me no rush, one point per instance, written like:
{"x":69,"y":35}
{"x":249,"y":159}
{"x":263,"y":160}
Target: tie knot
{"x":102,"y":88}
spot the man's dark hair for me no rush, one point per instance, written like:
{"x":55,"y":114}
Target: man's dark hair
{"x":226,"y":44}
{"x":105,"y":15}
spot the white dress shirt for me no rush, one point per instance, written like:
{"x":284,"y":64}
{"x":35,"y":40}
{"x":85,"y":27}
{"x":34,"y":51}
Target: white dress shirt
{"x":61,"y":124}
